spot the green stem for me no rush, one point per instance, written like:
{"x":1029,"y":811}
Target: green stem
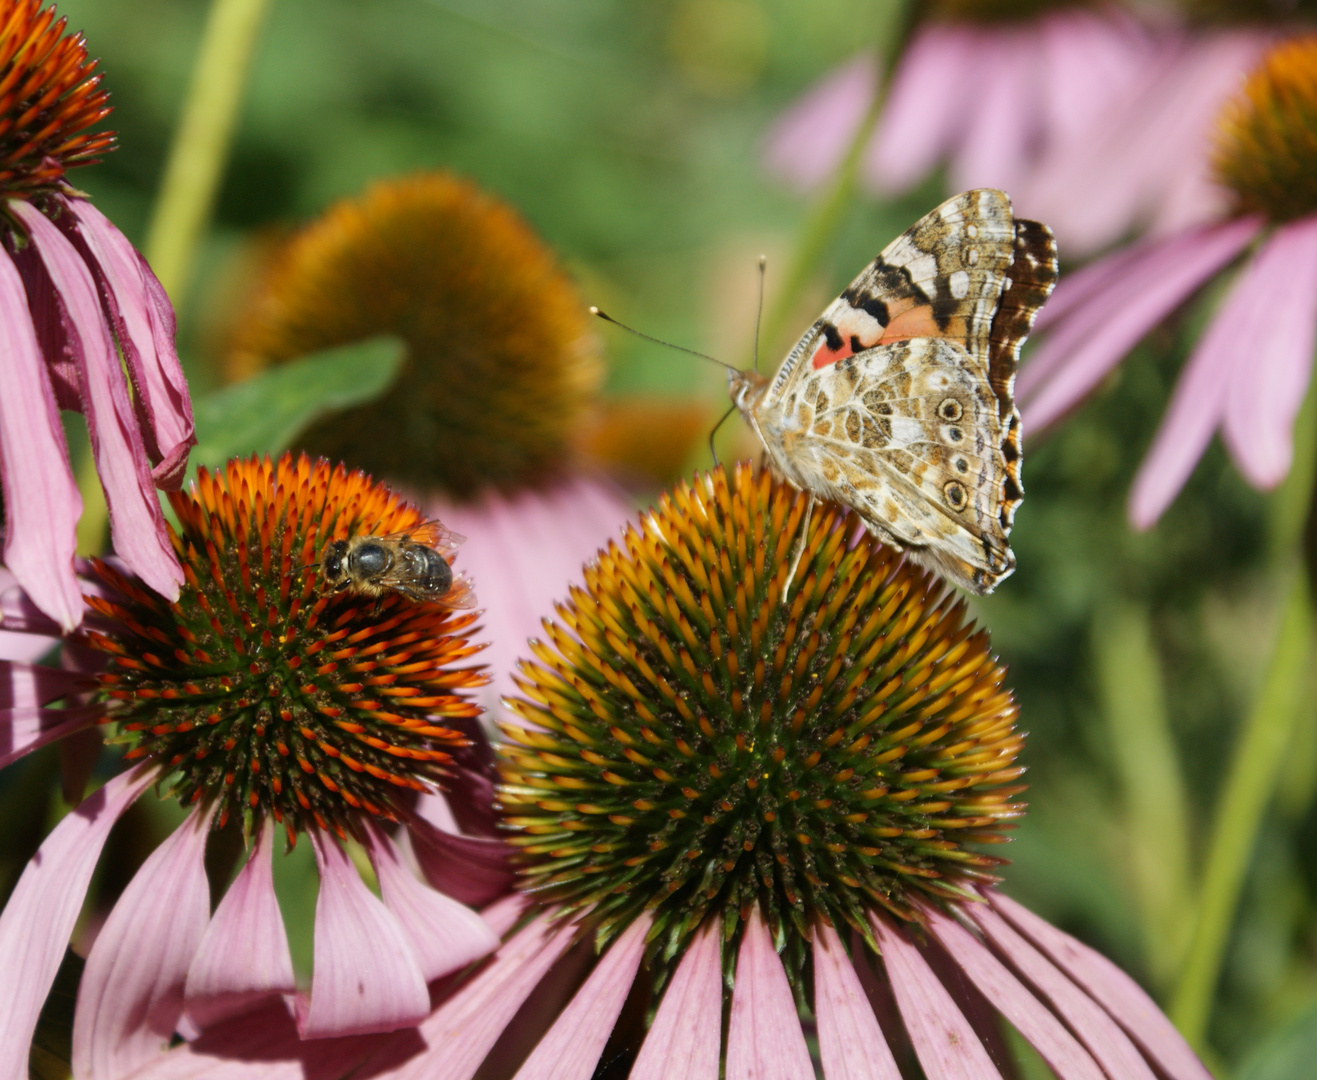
{"x":202,"y":140}
{"x":826,"y":217}
{"x":1255,"y":766}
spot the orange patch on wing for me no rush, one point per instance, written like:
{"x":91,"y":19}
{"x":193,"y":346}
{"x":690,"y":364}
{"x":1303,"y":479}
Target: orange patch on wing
{"x":912,"y":322}
{"x":823,"y":356}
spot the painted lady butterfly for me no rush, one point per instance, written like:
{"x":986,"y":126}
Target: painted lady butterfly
{"x":899,"y":400}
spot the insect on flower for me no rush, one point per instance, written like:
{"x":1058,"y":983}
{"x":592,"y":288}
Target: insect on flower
{"x":413,"y":563}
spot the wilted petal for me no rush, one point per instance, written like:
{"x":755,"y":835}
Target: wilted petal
{"x":164,"y":408}
{"x":1096,"y":336}
{"x":1105,"y":1039}
{"x":571,"y":1048}
{"x":851,"y":1043}
{"x":244,"y":955}
{"x":764,"y":1039}
{"x":808,"y":142}
{"x":1269,"y":376}
{"x":36,"y":923}
{"x":685,"y":1040}
{"x":445,"y":935}
{"x":472,"y":869}
{"x":137,"y":526}
{"x":944,"y":1040}
{"x":1031,"y":1018}
{"x":131,"y":994}
{"x":461,"y":1031}
{"x":1120,"y":995}
{"x":366,"y":977}
{"x":42,"y":504}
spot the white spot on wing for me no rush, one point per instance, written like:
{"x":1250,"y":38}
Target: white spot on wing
{"x":958,"y":283}
{"x":923,"y":268}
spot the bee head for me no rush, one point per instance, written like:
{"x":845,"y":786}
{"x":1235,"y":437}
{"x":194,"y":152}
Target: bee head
{"x":332,"y":566}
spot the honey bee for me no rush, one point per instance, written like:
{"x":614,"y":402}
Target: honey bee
{"x":413,"y":563}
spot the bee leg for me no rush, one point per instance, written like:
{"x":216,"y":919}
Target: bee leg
{"x":801,"y":541}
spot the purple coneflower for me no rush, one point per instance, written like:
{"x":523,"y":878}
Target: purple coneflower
{"x":500,"y":376}
{"x":731,"y":801}
{"x":987,"y":86}
{"x":75,"y":298}
{"x":254,"y":699}
{"x":1249,"y":371}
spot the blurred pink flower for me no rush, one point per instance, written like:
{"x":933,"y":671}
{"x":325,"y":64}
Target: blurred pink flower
{"x":1248,"y":373}
{"x":75,"y":297}
{"x":229,"y":700}
{"x":989,"y":99}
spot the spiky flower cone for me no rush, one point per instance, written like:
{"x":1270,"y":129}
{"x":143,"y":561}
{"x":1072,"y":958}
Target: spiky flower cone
{"x":696,"y":741}
{"x":260,"y":692}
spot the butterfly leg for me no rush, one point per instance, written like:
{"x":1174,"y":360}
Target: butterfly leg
{"x":801,"y":543}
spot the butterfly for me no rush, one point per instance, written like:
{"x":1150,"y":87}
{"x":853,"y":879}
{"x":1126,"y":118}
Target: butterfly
{"x":899,"y":400}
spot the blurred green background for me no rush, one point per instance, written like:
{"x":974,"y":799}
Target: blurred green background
{"x":629,"y":134}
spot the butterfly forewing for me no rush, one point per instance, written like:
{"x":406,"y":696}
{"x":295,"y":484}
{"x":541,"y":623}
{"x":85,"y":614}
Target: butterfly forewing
{"x":899,"y":399}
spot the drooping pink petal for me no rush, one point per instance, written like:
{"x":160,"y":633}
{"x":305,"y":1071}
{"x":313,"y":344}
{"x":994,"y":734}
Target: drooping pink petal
{"x":945,"y":1042}
{"x":1199,"y":401}
{"x":519,"y":581}
{"x":472,"y":869}
{"x":1115,"y":991}
{"x":366,"y":976}
{"x":1031,"y":1018}
{"x":445,"y":934}
{"x":19,"y":640}
{"x":808,"y":141}
{"x":30,"y":686}
{"x":925,"y":111}
{"x":1105,"y":1039}
{"x":23,"y":730}
{"x":1003,"y":117}
{"x":851,"y":1043}
{"x":137,"y":526}
{"x":570,"y":1049}
{"x":1095,"y":337}
{"x":460,"y":1032}
{"x":131,"y":994}
{"x":164,"y":408}
{"x":42,"y":504}
{"x":685,"y":1040}
{"x":243,"y":957}
{"x":1269,"y":377}
{"x":36,"y":923}
{"x":764,"y":1038}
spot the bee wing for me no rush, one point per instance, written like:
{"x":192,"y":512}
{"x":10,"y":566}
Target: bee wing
{"x":434,"y":534}
{"x":460,"y":594}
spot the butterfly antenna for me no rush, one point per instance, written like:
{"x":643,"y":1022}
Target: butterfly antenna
{"x":714,"y":432}
{"x":759,"y":314}
{"x":660,"y":341}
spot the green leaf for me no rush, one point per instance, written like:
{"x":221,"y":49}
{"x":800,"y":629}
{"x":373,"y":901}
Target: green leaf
{"x":1288,"y":1054}
{"x":265,"y":414}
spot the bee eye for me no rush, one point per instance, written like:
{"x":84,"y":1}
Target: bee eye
{"x":370,"y":559}
{"x":333,"y":564}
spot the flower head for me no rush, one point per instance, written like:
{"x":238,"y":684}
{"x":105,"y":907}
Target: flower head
{"x":1249,"y":371}
{"x":257,"y":697}
{"x":75,"y":298}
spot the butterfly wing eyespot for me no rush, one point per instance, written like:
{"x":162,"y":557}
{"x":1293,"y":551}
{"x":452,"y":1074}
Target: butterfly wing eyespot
{"x":899,"y":399}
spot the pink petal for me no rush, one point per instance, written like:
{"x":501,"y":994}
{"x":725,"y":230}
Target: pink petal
{"x":1031,"y":1018}
{"x":685,"y":1040}
{"x":1091,"y":1023}
{"x":1096,"y":337}
{"x":472,"y":869}
{"x":30,"y":686}
{"x":445,"y":935}
{"x":36,"y":923}
{"x":131,"y":994}
{"x":809,"y":140}
{"x":366,"y":975}
{"x":851,"y":1043}
{"x":1120,"y":995}
{"x":764,"y":1038}
{"x":459,"y":1033}
{"x":137,"y":525}
{"x":244,"y":955}
{"x":1270,"y":376}
{"x":42,"y":504}
{"x":925,"y":111}
{"x":25,"y":730}
{"x":1003,"y":117}
{"x":946,"y":1044}
{"x":165,"y":411}
{"x":572,"y":1047}
{"x":519,"y":582}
